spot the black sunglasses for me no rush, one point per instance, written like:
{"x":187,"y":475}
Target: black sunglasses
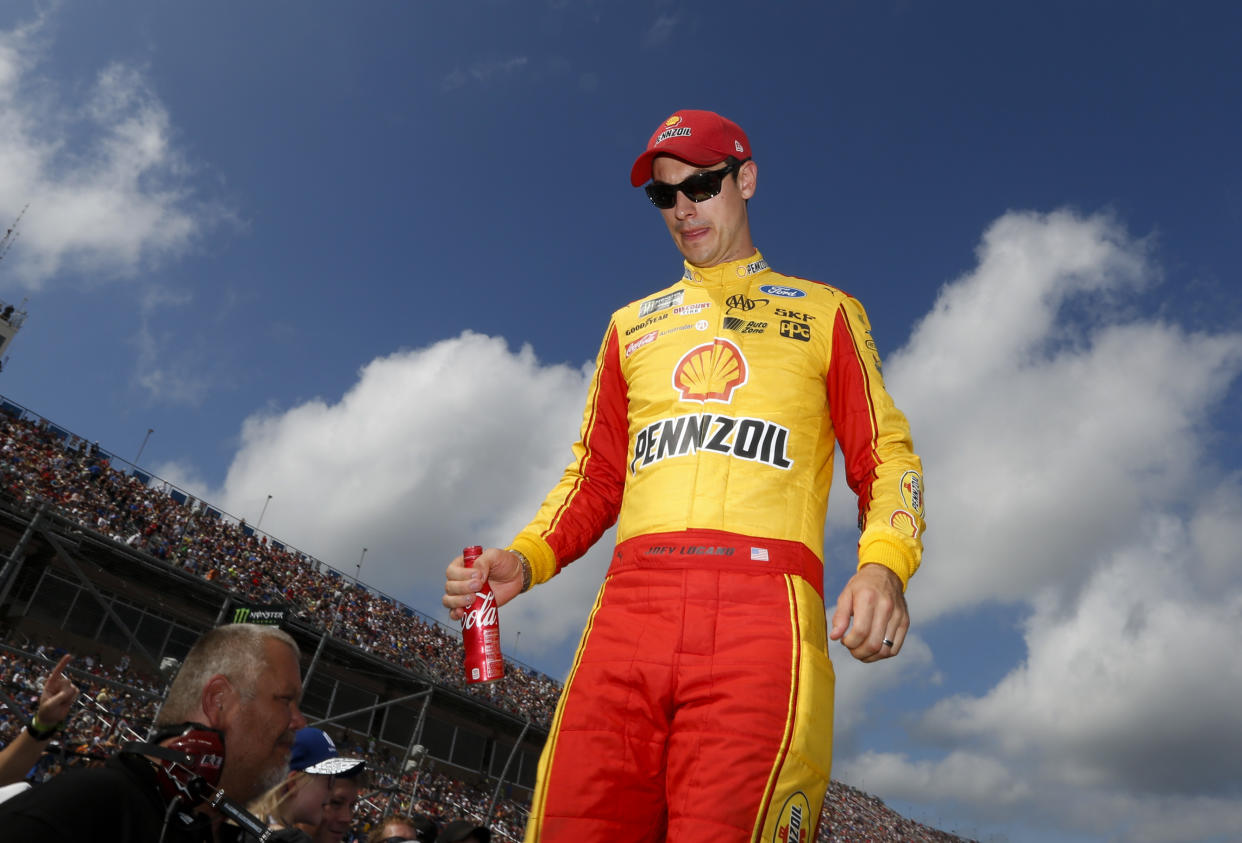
{"x":698,"y":188}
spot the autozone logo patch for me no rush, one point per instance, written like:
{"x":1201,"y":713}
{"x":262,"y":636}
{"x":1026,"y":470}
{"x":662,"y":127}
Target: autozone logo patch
{"x":743,"y":326}
{"x":753,"y":440}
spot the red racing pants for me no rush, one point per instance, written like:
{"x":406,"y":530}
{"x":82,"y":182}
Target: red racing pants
{"x":699,"y":705}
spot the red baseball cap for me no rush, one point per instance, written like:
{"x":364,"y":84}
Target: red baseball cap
{"x":696,"y":137}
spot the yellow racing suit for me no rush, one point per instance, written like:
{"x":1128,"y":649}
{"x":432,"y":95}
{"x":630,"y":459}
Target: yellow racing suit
{"x":708,"y":437}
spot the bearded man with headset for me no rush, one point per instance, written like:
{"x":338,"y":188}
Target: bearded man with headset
{"x":230,"y":715}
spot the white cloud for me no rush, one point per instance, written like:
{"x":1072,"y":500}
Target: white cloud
{"x":660,"y":31}
{"x":959,"y":776}
{"x":1121,"y":723}
{"x":1048,"y":420}
{"x":1064,"y":439}
{"x":1134,"y":686}
{"x":167,"y":369}
{"x":861,"y":687}
{"x":107,"y":188}
{"x":431,"y":450}
{"x":483,"y":72}
{"x":1066,"y":443}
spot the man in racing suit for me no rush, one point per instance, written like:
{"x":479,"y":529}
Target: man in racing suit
{"x":699,"y":704}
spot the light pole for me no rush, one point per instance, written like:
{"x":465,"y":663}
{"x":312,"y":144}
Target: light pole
{"x":143,"y":446}
{"x":358,"y":576}
{"x":259,"y":523}
{"x":417,"y":755}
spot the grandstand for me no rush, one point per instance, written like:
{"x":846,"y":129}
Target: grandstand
{"x":126,"y":571}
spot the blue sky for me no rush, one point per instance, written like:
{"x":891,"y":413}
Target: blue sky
{"x":358,"y":257}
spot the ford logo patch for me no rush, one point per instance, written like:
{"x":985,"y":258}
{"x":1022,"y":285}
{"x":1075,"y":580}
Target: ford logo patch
{"x":784,"y":292}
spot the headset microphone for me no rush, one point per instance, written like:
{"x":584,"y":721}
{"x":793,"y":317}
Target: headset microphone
{"x":187,"y":770}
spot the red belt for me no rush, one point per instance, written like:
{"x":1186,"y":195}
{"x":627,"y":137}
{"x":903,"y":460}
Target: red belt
{"x":719,"y":550}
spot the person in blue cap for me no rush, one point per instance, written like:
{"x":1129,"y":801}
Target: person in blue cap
{"x":300,"y":798}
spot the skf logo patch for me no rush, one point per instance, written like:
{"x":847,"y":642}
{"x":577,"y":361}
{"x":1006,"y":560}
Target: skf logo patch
{"x":710,"y":372}
{"x":912,"y":491}
{"x":795,"y":330}
{"x":795,"y":821}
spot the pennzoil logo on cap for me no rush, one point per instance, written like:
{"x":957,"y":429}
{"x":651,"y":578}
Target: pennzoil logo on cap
{"x":710,"y":372}
{"x":675,"y":132}
{"x":672,"y":121}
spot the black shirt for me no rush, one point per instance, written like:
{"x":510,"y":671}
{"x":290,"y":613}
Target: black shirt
{"x":119,"y":801}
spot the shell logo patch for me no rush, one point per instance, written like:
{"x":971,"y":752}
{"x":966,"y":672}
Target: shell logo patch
{"x":710,"y":372}
{"x":795,"y":821}
{"x":904,"y":523}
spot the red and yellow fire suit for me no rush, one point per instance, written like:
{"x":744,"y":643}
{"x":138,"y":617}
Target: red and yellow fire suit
{"x":699,"y":705}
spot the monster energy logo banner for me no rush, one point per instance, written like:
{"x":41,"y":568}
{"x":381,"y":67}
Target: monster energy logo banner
{"x":270,"y":615}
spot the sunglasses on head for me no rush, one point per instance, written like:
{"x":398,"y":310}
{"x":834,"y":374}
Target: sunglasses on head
{"x":698,"y":188}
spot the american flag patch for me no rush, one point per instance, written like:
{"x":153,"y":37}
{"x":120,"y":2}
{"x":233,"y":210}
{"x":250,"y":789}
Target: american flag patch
{"x":758,"y":554}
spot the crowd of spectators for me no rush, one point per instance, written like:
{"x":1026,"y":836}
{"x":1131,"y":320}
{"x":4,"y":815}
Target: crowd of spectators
{"x":851,"y":816}
{"x":40,"y":463}
{"x":117,"y":705}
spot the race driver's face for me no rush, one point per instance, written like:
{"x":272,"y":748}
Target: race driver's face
{"x":713,"y":231}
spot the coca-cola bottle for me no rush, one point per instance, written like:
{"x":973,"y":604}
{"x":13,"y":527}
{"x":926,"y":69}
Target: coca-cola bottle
{"x":480,"y":631}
